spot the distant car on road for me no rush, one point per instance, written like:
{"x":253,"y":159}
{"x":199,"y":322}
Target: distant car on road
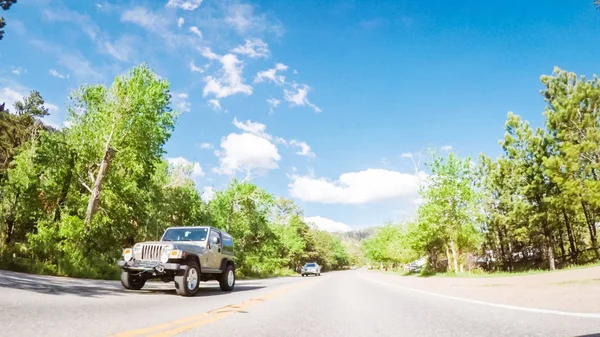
{"x":311,"y":268}
{"x":353,"y":268}
{"x":417,"y":265}
{"x":185,"y":255}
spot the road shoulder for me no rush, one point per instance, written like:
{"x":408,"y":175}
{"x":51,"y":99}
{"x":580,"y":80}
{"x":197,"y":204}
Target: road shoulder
{"x":576,"y":291}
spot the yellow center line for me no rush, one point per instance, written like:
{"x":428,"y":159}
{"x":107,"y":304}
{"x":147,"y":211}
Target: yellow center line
{"x":176,"y":327}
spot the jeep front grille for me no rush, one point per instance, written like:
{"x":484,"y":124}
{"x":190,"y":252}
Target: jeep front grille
{"x":151,"y":252}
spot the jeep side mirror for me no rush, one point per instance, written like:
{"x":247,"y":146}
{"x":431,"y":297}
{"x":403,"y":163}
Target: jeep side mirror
{"x":215,"y":240}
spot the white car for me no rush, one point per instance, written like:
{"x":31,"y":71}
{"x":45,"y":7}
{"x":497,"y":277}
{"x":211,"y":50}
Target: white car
{"x":311,"y":268}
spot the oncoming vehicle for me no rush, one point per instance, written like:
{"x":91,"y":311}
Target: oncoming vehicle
{"x":311,"y":268}
{"x":185,"y":255}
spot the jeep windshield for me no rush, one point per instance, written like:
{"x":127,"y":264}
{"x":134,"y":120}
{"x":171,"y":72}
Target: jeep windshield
{"x":310,"y":265}
{"x":185,"y":234}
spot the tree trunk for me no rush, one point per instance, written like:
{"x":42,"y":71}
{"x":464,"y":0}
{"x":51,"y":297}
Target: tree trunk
{"x":562,"y":243}
{"x":65,"y":188}
{"x":591,"y":228}
{"x":94,"y":201}
{"x":448,"y":259}
{"x":573,"y":249}
{"x":10,"y":222}
{"x":550,"y":247}
{"x":455,"y":262}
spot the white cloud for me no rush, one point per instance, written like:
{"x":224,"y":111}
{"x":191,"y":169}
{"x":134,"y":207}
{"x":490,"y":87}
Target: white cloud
{"x":446,"y":148}
{"x":242,"y":19}
{"x":254,"y":128}
{"x":188,"y":5}
{"x":299,"y":97}
{"x":245,"y":152}
{"x":180,"y":101}
{"x":231,"y":82}
{"x":51,"y":107}
{"x":194,"y":167}
{"x":180,"y":22}
{"x":121,"y":50}
{"x":280,"y":140}
{"x":304,"y":148}
{"x":10,"y":96}
{"x":356,"y":187}
{"x":406,"y":155}
{"x":144,"y":18}
{"x":206,"y":146}
{"x":55,"y":119}
{"x":196,"y":31}
{"x":195,"y":69}
{"x":214,"y":104}
{"x":84,"y":22}
{"x":253,"y":49}
{"x":55,"y":73}
{"x":250,"y":150}
{"x":327,"y":224}
{"x":79,"y":66}
{"x":271,"y":75}
{"x":273,"y":102}
{"x":208,"y":193}
{"x":18,"y":71}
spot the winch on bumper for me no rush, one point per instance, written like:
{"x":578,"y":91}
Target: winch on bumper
{"x":155,"y":267}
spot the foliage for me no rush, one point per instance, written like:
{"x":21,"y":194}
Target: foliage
{"x":71,"y":199}
{"x":537,"y":206}
{"x":5,"y":5}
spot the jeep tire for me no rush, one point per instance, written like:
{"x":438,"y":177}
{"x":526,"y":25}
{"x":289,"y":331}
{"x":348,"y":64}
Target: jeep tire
{"x":131,"y":282}
{"x":188,"y":283}
{"x":227,"y":278}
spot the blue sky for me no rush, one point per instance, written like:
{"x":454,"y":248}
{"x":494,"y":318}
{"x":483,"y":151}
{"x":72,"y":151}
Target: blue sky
{"x":319,"y":100}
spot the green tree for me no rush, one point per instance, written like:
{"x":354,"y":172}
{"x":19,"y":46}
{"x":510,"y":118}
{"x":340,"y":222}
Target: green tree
{"x":451,"y":213}
{"x":5,"y":5}
{"x":19,"y":127}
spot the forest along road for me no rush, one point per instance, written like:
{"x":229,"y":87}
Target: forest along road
{"x":349,"y":303}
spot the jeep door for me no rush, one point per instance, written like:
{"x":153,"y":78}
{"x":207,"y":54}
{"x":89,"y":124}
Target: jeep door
{"x":214,"y":253}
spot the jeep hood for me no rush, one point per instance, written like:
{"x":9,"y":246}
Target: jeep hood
{"x":181,"y":245}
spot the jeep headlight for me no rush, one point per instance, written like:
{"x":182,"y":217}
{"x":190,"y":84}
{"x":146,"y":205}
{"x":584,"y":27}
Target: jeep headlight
{"x":127,"y":256}
{"x":166,"y":253}
{"x":137,"y":249}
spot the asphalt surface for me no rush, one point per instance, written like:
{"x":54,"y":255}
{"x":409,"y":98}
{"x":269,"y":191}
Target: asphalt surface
{"x":349,"y":303}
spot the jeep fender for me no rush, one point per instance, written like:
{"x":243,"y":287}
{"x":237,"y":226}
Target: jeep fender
{"x":224,"y":262}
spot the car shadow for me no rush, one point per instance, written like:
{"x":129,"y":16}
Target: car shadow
{"x":53,"y":285}
{"x":204,"y":291}
{"x":590,"y":335}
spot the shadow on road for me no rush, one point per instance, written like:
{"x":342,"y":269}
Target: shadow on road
{"x":590,"y":335}
{"x":204,"y":291}
{"x":53,"y":285}
{"x":58,"y":285}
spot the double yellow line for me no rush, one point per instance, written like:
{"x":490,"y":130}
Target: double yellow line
{"x":192,"y":322}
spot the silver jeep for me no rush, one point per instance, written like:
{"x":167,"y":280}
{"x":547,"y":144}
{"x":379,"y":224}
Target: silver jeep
{"x":185,"y":255}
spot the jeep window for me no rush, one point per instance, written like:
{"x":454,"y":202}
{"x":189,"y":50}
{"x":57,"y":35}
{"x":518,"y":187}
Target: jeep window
{"x":310,"y":265}
{"x":227,"y":244}
{"x":214,"y":235}
{"x":185,"y":234}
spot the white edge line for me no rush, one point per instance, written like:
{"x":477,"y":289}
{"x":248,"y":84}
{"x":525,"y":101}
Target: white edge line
{"x":497,"y":305}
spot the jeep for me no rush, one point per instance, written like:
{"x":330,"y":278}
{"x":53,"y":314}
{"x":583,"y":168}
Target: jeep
{"x":185,"y":255}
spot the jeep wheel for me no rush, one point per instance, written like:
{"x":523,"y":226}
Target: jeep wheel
{"x":227,"y":279}
{"x":130,"y":282}
{"x":188,"y":283}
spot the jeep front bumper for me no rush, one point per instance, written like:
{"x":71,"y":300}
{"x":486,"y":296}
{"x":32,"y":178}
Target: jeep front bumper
{"x":153,"y":266}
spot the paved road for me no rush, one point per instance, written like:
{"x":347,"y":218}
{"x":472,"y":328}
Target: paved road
{"x":352,"y":303}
